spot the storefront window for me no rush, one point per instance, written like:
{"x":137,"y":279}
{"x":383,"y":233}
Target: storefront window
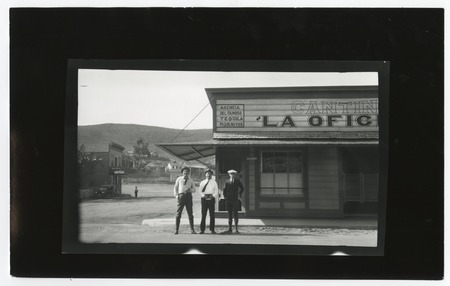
{"x":295,"y":159}
{"x":267,"y":163}
{"x":281,"y":174}
{"x":280,"y":162}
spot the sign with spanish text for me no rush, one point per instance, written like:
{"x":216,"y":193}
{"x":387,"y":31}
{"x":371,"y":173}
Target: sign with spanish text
{"x":230,"y":115}
{"x":323,"y":114}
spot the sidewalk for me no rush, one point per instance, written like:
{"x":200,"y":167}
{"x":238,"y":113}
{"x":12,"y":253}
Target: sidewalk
{"x":348,"y":222}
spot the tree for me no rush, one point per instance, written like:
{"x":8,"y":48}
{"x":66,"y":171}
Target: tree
{"x":141,"y":151}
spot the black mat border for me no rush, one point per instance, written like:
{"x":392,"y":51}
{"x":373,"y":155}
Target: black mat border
{"x":42,"y":41}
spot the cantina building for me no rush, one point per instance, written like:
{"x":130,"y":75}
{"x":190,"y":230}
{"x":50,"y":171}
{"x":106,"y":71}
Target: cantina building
{"x":300,"y":151}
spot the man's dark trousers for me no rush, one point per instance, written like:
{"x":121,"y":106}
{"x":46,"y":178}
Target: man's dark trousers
{"x":232,"y":208}
{"x":184,"y":200}
{"x":208,"y":206}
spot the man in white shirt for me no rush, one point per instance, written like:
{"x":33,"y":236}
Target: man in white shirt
{"x":183,"y":189}
{"x":209,"y":193}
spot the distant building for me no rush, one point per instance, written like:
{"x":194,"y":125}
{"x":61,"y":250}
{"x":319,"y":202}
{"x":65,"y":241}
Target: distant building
{"x":174,"y":165}
{"x":103,"y":167}
{"x":155,"y":167}
{"x":174,"y":169}
{"x":127,"y":162}
{"x":197,"y":170}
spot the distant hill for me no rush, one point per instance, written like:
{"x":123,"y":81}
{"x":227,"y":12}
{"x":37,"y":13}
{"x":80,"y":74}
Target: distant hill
{"x":97,"y":137}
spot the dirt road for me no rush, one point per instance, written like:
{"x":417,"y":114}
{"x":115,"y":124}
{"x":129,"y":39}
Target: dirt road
{"x":120,"y":221}
{"x":153,"y":201}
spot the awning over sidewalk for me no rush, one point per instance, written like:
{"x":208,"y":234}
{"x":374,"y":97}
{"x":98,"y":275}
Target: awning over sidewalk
{"x":188,"y":151}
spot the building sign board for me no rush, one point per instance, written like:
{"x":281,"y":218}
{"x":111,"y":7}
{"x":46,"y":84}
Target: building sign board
{"x":230,"y":115}
{"x":346,"y":114}
{"x":117,"y":171}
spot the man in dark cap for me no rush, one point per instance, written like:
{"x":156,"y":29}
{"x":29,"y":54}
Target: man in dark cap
{"x":232,"y":192}
{"x":209,"y":192}
{"x":183,"y":189}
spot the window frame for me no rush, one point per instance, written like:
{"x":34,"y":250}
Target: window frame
{"x":304,"y":189}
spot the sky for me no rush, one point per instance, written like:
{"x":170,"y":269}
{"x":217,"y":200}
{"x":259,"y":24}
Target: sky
{"x":172,"y":99}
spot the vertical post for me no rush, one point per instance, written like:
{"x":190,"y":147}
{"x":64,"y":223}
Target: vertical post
{"x":345,"y":187}
{"x":216,"y":206}
{"x":243,"y":175}
{"x":361,"y":182}
{"x":273,"y":173}
{"x":288,"y":183}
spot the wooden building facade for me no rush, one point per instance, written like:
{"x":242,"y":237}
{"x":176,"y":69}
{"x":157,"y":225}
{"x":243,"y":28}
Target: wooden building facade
{"x":300,"y":151}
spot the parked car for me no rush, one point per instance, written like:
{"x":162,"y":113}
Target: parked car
{"x":104,"y":191}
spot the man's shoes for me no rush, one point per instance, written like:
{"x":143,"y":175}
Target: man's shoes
{"x":176,"y":232}
{"x":229,"y":231}
{"x":237,"y":231}
{"x":202,"y":232}
{"x":213,"y":232}
{"x":193,"y":232}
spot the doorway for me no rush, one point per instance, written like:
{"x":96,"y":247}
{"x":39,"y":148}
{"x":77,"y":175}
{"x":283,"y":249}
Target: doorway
{"x":232,"y":159}
{"x":360,"y":180}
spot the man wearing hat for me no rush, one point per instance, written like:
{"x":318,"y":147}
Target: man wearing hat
{"x":209,"y":192}
{"x":232,"y":192}
{"x":183,"y":189}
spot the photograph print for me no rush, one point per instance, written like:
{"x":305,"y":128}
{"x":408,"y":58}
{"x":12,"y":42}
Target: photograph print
{"x":227,"y":160}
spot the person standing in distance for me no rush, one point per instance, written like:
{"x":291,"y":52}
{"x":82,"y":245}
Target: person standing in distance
{"x":183,"y":189}
{"x":232,"y":192}
{"x":209,"y":192}
{"x":135,"y":192}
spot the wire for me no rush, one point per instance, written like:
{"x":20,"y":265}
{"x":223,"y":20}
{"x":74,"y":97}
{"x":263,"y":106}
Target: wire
{"x":189,"y":123}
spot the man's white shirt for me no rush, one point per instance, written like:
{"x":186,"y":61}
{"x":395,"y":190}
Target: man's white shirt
{"x":211,"y":188}
{"x":182,"y":187}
